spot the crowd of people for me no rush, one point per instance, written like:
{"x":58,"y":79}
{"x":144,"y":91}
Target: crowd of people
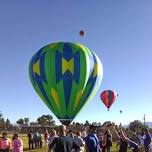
{"x":34,"y":140}
{"x":92,"y":139}
{"x":98,"y":141}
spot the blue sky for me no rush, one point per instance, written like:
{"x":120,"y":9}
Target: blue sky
{"x":118,"y":31}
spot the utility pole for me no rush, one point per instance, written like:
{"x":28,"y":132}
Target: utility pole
{"x":144,"y":120}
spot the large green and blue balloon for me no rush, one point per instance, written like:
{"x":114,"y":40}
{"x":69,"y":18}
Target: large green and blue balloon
{"x":65,"y":76}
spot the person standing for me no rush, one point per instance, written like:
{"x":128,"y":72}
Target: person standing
{"x":141,"y":139}
{"x":108,"y":141}
{"x":46,"y":136}
{"x":37,"y":139}
{"x":92,"y":142}
{"x":147,"y":141}
{"x":17,"y":144}
{"x":30,"y":140}
{"x":79,"y":141}
{"x":52,"y":136}
{"x":123,"y":142}
{"x":62,"y":143}
{"x":5,"y":143}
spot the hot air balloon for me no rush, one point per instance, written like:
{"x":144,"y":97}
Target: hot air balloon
{"x":120,"y":111}
{"x":66,"y":76}
{"x":108,"y":97}
{"x":81,"y":33}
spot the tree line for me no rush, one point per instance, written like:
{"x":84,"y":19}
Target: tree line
{"x":47,"y":120}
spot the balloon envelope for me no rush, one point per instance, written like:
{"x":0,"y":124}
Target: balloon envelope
{"x":108,"y":97}
{"x":65,"y":76}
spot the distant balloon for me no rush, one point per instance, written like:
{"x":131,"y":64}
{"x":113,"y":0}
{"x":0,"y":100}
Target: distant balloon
{"x":120,"y":111}
{"x":65,"y":76}
{"x":81,"y":33}
{"x":108,"y":97}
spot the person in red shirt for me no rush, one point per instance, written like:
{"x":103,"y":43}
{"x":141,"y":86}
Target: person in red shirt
{"x":46,"y":136}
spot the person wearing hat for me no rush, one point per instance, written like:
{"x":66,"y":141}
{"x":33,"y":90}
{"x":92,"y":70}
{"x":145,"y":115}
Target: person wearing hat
{"x":92,"y":141}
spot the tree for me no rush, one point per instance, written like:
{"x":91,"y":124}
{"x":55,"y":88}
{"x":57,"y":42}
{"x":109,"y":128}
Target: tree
{"x":87,"y":123}
{"x":99,"y":123}
{"x":3,"y":124}
{"x":20,"y":121}
{"x":136,"y":125}
{"x":34,"y":124}
{"x":1,"y":115}
{"x":8,"y":124}
{"x":26,"y":120}
{"x":46,"y":120}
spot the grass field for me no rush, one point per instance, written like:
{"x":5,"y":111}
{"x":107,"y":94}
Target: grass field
{"x":44,"y":147}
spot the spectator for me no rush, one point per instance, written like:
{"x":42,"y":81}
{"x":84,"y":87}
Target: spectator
{"x":4,"y":143}
{"x":141,"y":139}
{"x":46,"y":136}
{"x":147,"y":141}
{"x":37,"y":139}
{"x":92,"y":141}
{"x":30,"y":140}
{"x":108,"y":141}
{"x":123,"y":142}
{"x":62,"y":143}
{"x":79,"y":141}
{"x":52,"y":136}
{"x":17,"y":144}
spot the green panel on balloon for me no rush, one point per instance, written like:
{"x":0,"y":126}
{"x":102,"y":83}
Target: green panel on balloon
{"x":65,"y":76}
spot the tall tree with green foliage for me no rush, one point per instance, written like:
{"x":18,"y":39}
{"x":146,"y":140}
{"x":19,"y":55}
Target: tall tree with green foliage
{"x":46,"y":120}
{"x":26,"y":121}
{"x":136,"y":125}
{"x":20,"y":121}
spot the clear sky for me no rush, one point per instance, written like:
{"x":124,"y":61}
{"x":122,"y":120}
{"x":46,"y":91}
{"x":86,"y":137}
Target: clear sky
{"x":118,"y":31}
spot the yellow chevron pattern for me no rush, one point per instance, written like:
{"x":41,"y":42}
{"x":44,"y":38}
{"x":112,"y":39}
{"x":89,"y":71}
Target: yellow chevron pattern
{"x":36,"y":67}
{"x":67,"y":65}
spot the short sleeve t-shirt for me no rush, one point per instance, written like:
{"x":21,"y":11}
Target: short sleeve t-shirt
{"x":92,"y":143}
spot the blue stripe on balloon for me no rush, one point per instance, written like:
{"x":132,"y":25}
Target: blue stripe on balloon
{"x":40,"y":85}
{"x":67,"y":85}
{"x":42,"y":68}
{"x":92,"y":83}
{"x":32,"y":72}
{"x":37,"y":55}
{"x":94,"y":57}
{"x":58,"y":66}
{"x":110,"y":97}
{"x":67,"y":51}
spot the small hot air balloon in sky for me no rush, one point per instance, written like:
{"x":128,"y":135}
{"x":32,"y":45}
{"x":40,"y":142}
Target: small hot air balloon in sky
{"x":120,"y":111}
{"x":108,"y":97}
{"x":65,"y":76}
{"x":82,"y":33}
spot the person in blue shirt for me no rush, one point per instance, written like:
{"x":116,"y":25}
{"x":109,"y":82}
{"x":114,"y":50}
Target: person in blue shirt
{"x":147,"y":141}
{"x":92,"y":141}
